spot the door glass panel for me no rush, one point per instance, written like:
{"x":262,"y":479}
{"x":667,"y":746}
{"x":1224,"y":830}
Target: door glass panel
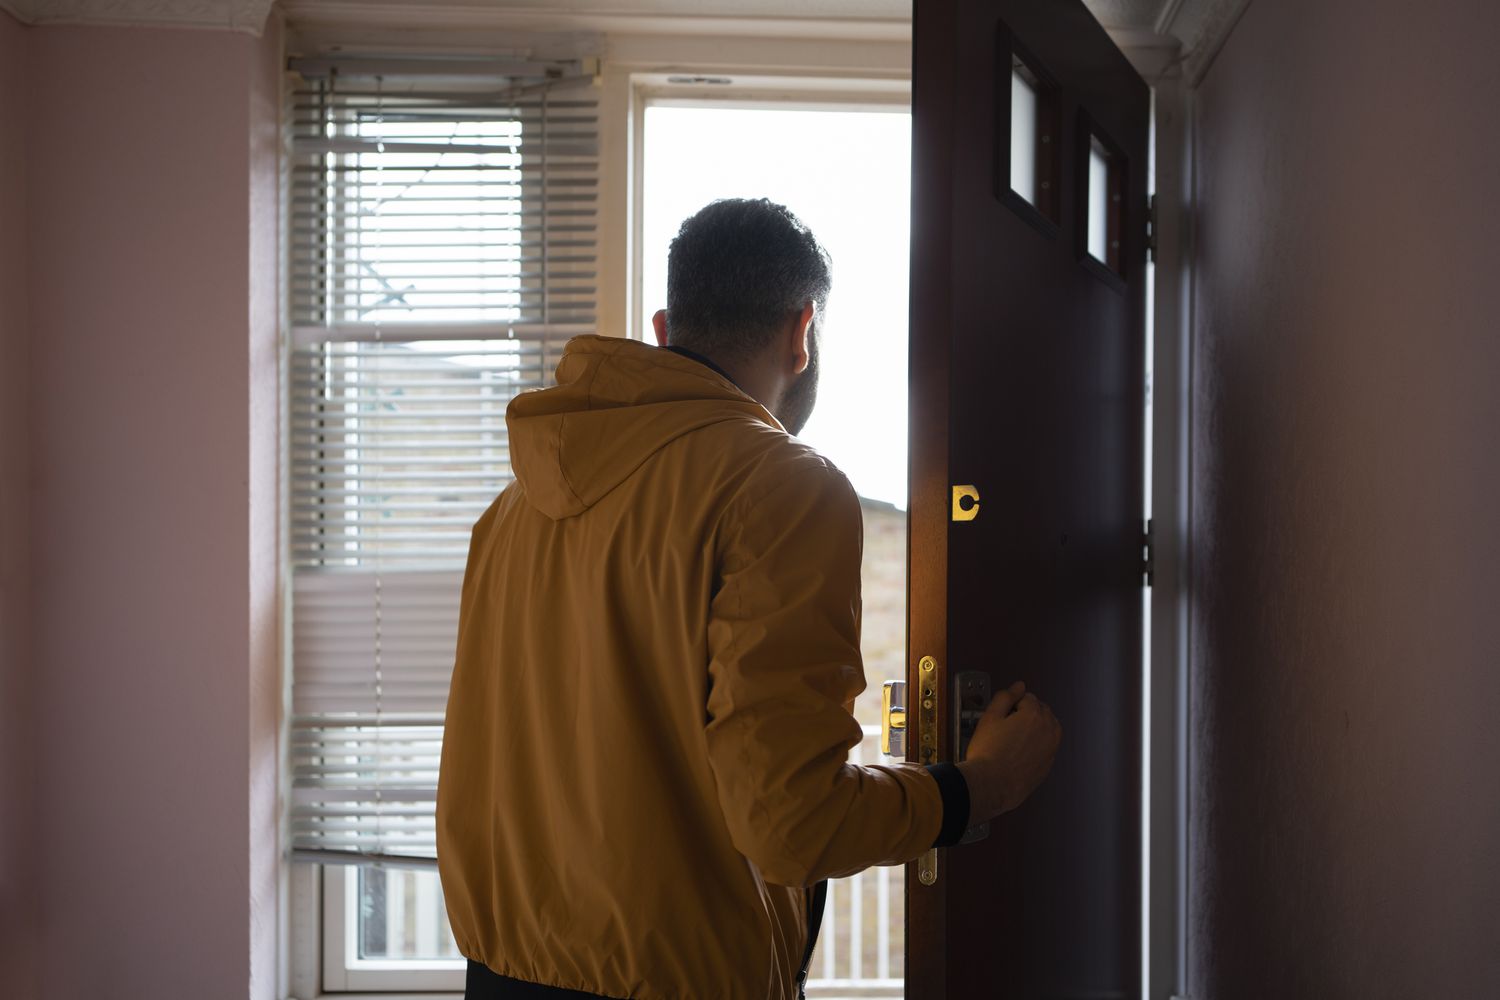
{"x":1031,"y":173}
{"x":1023,"y":113}
{"x":1098,"y":204}
{"x":1104,"y":203}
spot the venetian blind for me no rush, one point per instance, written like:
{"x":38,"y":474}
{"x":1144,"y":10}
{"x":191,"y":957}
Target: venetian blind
{"x":442,"y":250}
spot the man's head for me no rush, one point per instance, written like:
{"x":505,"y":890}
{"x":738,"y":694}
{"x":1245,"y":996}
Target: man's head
{"x":746,"y":281}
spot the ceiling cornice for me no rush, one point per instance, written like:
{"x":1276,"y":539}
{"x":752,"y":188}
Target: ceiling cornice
{"x":1162,"y":37}
{"x":662,"y":18}
{"x":1199,"y":27}
{"x":1202,"y":26}
{"x":221,"y":15}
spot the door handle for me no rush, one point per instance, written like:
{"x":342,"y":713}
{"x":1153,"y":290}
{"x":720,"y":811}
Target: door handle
{"x":968,"y":699}
{"x":971,"y":695}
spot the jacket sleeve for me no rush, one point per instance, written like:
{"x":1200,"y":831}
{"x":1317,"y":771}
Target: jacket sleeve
{"x":783,"y":640}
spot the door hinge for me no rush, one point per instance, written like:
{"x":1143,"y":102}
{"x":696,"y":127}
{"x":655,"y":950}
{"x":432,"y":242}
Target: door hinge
{"x":1151,"y":229}
{"x":1148,"y":555}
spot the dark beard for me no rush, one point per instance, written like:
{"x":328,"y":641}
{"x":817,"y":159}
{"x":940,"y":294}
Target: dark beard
{"x":800,"y":398}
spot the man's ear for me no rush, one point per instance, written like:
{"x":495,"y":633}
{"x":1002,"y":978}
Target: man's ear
{"x":659,"y":324}
{"x":801,"y":336}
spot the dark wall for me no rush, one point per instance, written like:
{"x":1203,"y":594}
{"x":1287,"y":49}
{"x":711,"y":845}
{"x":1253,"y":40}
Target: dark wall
{"x":1345,"y":643}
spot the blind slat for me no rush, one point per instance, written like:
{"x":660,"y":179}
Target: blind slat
{"x":390,"y":165}
{"x":441,"y":251}
{"x":396,"y":448}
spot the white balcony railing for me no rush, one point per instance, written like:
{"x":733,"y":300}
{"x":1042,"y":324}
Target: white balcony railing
{"x":861,"y":948}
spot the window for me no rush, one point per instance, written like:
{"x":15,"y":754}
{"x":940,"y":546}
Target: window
{"x":1104,"y":187}
{"x":1026,"y":106}
{"x":846,"y":173}
{"x":1023,"y":132}
{"x":442,"y":249}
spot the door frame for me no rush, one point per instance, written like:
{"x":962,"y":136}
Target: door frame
{"x":1165,"y":767}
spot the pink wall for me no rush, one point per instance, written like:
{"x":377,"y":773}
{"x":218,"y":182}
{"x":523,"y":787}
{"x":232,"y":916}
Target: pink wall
{"x":18,"y":940}
{"x":1346,"y":506}
{"x":151,"y":243}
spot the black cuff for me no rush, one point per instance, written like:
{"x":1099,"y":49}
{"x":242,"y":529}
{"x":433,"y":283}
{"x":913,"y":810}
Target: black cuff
{"x":955,"y":792}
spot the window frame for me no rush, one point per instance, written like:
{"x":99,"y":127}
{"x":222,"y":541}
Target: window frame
{"x":344,"y":971}
{"x":781,"y":92}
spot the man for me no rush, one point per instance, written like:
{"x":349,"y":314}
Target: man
{"x":644,"y":768}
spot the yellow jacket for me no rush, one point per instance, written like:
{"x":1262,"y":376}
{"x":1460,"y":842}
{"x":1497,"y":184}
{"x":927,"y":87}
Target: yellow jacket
{"x":645,"y":757}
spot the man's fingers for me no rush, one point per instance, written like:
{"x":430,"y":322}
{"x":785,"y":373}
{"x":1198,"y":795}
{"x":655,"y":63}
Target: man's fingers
{"x":1003,"y":702}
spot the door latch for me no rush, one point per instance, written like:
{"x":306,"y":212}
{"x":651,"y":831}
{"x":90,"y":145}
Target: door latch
{"x":893,"y":719}
{"x":969,"y":697}
{"x":893,"y":736}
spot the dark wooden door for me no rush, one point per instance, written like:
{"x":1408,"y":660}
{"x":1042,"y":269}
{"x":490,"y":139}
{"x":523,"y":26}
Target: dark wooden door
{"x":1027,"y":383}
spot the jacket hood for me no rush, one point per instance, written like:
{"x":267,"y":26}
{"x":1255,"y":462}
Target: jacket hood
{"x":617,"y":402}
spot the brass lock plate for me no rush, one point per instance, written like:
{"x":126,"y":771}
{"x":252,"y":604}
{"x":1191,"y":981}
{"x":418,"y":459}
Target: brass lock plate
{"x":965,"y":502}
{"x":927,"y":746}
{"x":927,"y":730}
{"x":927,"y":867}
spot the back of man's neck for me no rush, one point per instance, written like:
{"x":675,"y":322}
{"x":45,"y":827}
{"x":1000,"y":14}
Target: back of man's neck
{"x":705,"y":361}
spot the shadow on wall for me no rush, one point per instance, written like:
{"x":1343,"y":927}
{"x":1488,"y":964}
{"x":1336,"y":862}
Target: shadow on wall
{"x":1345,"y":653}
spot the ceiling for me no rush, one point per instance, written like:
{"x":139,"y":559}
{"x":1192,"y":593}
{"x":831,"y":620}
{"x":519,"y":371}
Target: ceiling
{"x":1188,"y":27}
{"x":1115,"y":14}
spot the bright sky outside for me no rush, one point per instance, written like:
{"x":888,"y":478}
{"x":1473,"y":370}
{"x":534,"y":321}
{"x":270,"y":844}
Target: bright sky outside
{"x":847,"y":174}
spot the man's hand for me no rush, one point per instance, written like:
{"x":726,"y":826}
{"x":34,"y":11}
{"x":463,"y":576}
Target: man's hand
{"x":1010,"y":753}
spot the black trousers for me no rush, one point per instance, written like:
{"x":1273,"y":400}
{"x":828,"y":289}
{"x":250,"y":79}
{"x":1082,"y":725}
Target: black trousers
{"x":482,"y":983}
